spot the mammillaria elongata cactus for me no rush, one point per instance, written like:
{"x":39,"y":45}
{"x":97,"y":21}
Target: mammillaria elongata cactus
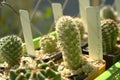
{"x":11,"y":49}
{"x":48,"y":43}
{"x":80,"y":26}
{"x":69,"y":40}
{"x":109,"y":35}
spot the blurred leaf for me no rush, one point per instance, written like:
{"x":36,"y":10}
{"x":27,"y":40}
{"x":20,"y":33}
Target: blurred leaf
{"x":48,"y":12}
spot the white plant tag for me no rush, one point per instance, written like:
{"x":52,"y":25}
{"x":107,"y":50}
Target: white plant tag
{"x":57,"y":10}
{"x":25,"y":21}
{"x":117,"y":4}
{"x":83,"y":4}
{"x":94,"y":33}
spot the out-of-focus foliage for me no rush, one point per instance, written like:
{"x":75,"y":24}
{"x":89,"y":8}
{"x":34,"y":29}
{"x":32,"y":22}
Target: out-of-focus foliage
{"x":40,"y":23}
{"x":43,"y":20}
{"x":9,"y":20}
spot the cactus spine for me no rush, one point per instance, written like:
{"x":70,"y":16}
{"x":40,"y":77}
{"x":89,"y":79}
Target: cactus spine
{"x":69,"y":40}
{"x":109,"y":35}
{"x":11,"y":49}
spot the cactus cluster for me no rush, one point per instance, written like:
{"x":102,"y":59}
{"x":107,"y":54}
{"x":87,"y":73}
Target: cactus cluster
{"x":11,"y":49}
{"x":107,"y":12}
{"x":69,"y":39}
{"x":43,"y":71}
{"x":109,"y":35}
{"x":48,"y":43}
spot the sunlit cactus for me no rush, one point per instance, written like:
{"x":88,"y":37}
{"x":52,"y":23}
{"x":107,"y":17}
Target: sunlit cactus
{"x":80,"y":26}
{"x":69,"y":39}
{"x":11,"y":49}
{"x":109,"y":35}
{"x":48,"y":43}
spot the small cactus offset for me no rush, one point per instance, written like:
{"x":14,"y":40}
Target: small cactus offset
{"x":109,"y":35}
{"x":107,"y":12}
{"x":11,"y":49}
{"x":48,"y":43}
{"x":80,"y":26}
{"x":69,"y":39}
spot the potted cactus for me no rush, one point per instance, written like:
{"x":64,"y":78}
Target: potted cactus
{"x":49,"y":48}
{"x":11,"y":49}
{"x":22,"y":67}
{"x":109,"y":41}
{"x":74,"y":63}
{"x":110,"y":46}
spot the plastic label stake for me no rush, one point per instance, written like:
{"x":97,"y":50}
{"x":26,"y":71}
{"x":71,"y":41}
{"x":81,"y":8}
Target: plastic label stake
{"x":25,"y":21}
{"x":94,"y":33}
{"x":57,"y":11}
{"x":117,"y":4}
{"x":83,"y":4}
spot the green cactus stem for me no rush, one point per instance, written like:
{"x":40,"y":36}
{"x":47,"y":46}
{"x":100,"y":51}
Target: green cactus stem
{"x":40,"y":72}
{"x":107,"y":12}
{"x":80,"y":26}
{"x":69,"y":39}
{"x":11,"y":49}
{"x":48,"y":43}
{"x":109,"y":35}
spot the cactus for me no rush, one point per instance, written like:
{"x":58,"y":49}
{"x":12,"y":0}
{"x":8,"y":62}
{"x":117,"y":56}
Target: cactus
{"x":69,"y":39}
{"x":80,"y":26}
{"x":109,"y":35}
{"x":107,"y":12}
{"x":41,"y":72}
{"x":48,"y":43}
{"x":11,"y":49}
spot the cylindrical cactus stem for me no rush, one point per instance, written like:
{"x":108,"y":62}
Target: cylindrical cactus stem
{"x":11,"y":49}
{"x":109,"y":35}
{"x":107,"y":12}
{"x":48,"y":43}
{"x":79,"y":24}
{"x":69,"y":40}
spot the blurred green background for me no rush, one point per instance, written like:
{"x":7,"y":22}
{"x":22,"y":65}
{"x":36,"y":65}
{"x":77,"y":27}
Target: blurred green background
{"x":41,"y":22}
{"x":10,"y":21}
